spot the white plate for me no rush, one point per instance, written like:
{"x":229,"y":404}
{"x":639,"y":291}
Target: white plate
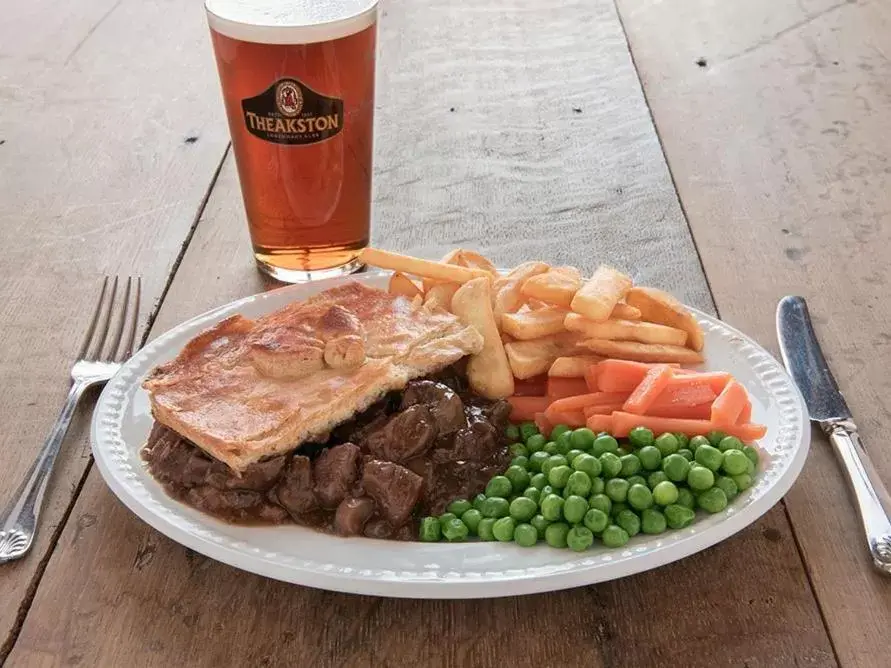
{"x":122,"y":421}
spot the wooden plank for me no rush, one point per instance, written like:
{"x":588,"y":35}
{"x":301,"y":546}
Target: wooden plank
{"x":104,"y":160}
{"x":779,"y":146}
{"x":518,"y":176}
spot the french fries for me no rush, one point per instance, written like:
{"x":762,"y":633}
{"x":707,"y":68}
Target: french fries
{"x":625,"y":330}
{"x":535,"y":357}
{"x":597,"y":298}
{"x":438,"y":271}
{"x":625,"y":312}
{"x":572,"y":367}
{"x":641,"y":352}
{"x":558,"y":286}
{"x":660,"y":307}
{"x":441,"y":295}
{"x":488,"y":372}
{"x":526,"y":325}
{"x":400,"y":284}
{"x":464,"y":258}
{"x":508,"y":296}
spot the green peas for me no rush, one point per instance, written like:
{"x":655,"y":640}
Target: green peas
{"x":735,"y":462}
{"x":579,"y":538}
{"x":652,"y":521}
{"x":624,"y":449}
{"x":518,"y":449}
{"x":610,"y":464}
{"x":675,"y":467}
{"x":743,"y":481}
{"x":528,"y":429}
{"x":751,"y":453}
{"x":665,"y":493}
{"x":715,"y":437}
{"x":698,"y":441}
{"x":683,"y":440}
{"x":709,"y":457}
{"x":679,"y":517}
{"x":582,"y":438}
{"x":535,"y":443}
{"x":655,"y":478}
{"x":499,"y":486}
{"x":563,"y":442}
{"x":574,"y":509}
{"x":525,"y":535}
{"x":552,"y":462}
{"x":700,"y":478}
{"x":538,"y":481}
{"x":596,"y":520}
{"x":495,"y":507}
{"x":614,"y":536}
{"x":503,"y":529}
{"x":559,"y":429}
{"x":730,"y":443}
{"x":650,"y":456}
{"x":540,"y":524}
{"x":547,"y":489}
{"x":686,"y":454}
{"x":559,"y":476}
{"x":713,"y":500}
{"x":640,"y":437}
{"x":597,"y":485}
{"x":520,"y":461}
{"x":630,"y":465}
{"x":555,"y":534}
{"x":618,"y":507}
{"x":536,"y":459}
{"x":667,"y":444}
{"x":579,"y":483}
{"x":533,"y":493}
{"x":628,"y":520}
{"x":686,"y":498}
{"x":512,"y":433}
{"x":459,"y":507}
{"x":445,"y":517}
{"x":731,"y":490}
{"x":478,"y":500}
{"x":636,"y":480}
{"x":454,"y":531}
{"x":603,"y":444}
{"x":750,"y":468}
{"x":550,"y":448}
{"x":484,"y":530}
{"x":552,"y":507}
{"x":617,"y":489}
{"x":586,"y":463}
{"x":600,"y":502}
{"x":571,"y":455}
{"x":430,"y":530}
{"x":640,"y":497}
{"x":518,"y":476}
{"x":472,"y":519}
{"x":523,"y":509}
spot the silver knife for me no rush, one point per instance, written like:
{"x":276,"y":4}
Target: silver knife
{"x":827,"y":408}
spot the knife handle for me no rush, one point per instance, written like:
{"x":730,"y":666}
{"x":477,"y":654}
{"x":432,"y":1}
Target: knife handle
{"x":868,"y":490}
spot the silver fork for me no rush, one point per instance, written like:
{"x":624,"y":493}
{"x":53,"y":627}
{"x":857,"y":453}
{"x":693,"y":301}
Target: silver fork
{"x":96,"y":364}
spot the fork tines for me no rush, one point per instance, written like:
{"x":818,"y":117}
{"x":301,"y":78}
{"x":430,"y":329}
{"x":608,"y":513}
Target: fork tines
{"x":125,"y":314}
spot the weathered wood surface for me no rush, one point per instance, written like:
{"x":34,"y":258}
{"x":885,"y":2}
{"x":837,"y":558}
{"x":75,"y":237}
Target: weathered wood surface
{"x":109,"y":140}
{"x":478,"y":144}
{"x":778,"y":143}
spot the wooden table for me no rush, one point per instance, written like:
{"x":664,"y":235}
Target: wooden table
{"x":729,"y":152}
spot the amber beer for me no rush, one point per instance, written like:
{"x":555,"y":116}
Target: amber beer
{"x":298,"y":85}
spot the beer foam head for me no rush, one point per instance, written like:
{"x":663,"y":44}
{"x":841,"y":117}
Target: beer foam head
{"x":290,"y":21}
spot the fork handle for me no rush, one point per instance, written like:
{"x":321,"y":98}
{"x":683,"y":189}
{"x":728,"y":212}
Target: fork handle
{"x":19,"y":521}
{"x":873,"y":500}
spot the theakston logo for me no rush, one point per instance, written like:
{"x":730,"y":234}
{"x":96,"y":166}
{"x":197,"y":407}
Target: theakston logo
{"x":289,"y":112}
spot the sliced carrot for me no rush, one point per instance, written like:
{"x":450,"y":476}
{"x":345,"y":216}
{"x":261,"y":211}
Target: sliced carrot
{"x":700,"y":412}
{"x":578,"y":402}
{"x":623,"y":423}
{"x":729,"y":404}
{"x":591,"y":378}
{"x":745,"y":415}
{"x":716,"y":380}
{"x":601,"y":409}
{"x":558,"y":388}
{"x":569,"y":418}
{"x":685,"y":395}
{"x":621,"y":375}
{"x":645,"y":394}
{"x":544,"y":425}
{"x":531,"y":387}
{"x":525,"y":408}
{"x":598,"y":423}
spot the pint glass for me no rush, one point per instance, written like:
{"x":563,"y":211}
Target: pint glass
{"x":298,"y":86}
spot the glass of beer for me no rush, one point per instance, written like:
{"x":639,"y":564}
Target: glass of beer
{"x":298,"y":85}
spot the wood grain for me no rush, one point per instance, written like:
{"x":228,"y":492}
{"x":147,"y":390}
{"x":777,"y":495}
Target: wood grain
{"x":516,"y":172}
{"x":778,"y":143}
{"x":104,"y":161}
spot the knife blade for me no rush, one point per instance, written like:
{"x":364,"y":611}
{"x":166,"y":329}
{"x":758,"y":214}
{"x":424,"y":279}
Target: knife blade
{"x":827,"y":407}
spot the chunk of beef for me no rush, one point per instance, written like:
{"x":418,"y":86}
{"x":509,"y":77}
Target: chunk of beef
{"x":167,"y":454}
{"x":352,"y":514}
{"x":334,"y":472}
{"x":294,"y":491}
{"x":445,"y":406}
{"x":378,"y":528}
{"x":499,"y":415}
{"x":230,"y":502}
{"x":478,"y":442}
{"x":455,"y":480}
{"x":405,"y":435}
{"x":257,"y":477}
{"x":196,"y":468}
{"x":394,"y":488}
